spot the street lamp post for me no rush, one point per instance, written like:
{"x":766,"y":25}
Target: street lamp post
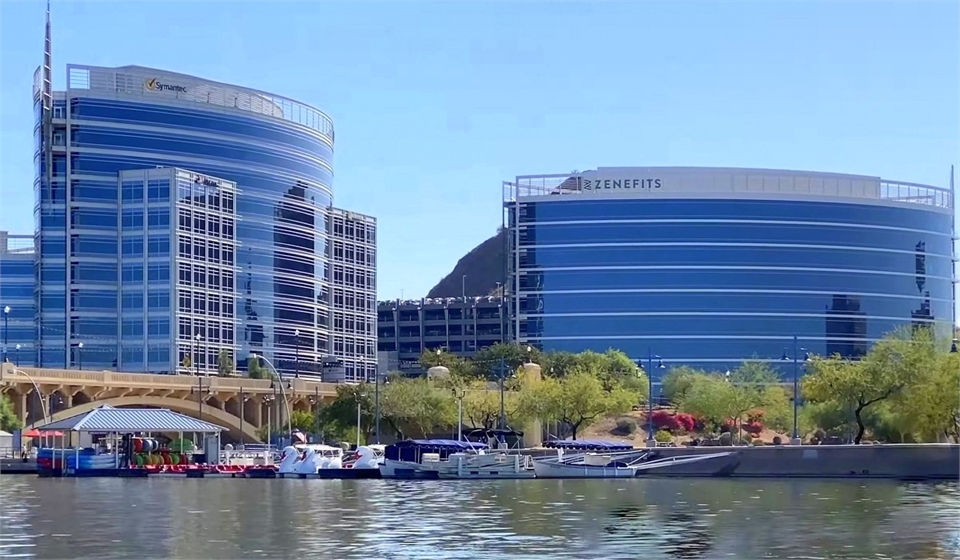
{"x":296,"y":341}
{"x":651,"y":440}
{"x":18,"y":355}
{"x":503,"y":413}
{"x":196,"y":353}
{"x":199,"y":391}
{"x":360,"y":397}
{"x":376,"y":407}
{"x":796,"y":387}
{"x":80,"y":356}
{"x":6,"y":330}
{"x":268,"y":400}
{"x":243,"y":400}
{"x":459,"y":393}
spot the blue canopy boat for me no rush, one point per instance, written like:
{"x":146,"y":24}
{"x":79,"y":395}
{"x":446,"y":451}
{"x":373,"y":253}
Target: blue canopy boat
{"x":447,"y":458}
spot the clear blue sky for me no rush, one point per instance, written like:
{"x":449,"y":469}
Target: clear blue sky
{"x":436,"y":103}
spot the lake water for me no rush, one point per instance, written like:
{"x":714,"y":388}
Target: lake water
{"x":542,"y":519}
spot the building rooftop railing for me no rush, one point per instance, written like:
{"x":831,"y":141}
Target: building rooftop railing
{"x":134,"y":80}
{"x":453,"y":301}
{"x":754,"y":181}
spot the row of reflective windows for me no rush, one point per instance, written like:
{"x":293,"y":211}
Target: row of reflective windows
{"x":734,"y":300}
{"x":542,"y":236}
{"x":172,"y":117}
{"x":713,"y":325}
{"x":839,"y":282}
{"x":665,"y":258}
{"x":168,"y":145}
{"x":844,"y":213}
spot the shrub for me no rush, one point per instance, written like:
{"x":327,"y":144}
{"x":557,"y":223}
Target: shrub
{"x":726,"y":439}
{"x":753,"y":428}
{"x":663,"y":436}
{"x":625,"y":427}
{"x":663,"y":420}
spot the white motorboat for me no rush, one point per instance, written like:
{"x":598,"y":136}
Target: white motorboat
{"x":445,"y":459}
{"x":620,"y":463}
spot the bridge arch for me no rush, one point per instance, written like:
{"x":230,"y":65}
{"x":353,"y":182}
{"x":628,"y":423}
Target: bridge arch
{"x":227,"y":421}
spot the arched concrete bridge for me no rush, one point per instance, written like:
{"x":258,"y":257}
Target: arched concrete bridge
{"x":40,"y":395}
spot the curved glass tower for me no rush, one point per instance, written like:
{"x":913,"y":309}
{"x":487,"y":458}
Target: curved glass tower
{"x":709,"y":267}
{"x":235,"y":228}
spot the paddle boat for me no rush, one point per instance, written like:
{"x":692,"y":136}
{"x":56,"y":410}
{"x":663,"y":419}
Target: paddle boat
{"x":601,"y":459}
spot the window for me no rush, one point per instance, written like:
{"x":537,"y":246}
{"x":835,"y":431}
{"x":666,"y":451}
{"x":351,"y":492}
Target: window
{"x":132,"y":273}
{"x":132,"y":327}
{"x":58,"y":138}
{"x":158,"y":191}
{"x":158,"y":272}
{"x":132,"y":246}
{"x":158,"y":300}
{"x":158,"y":246}
{"x":132,"y":219}
{"x":132,"y":301}
{"x":158,"y":218}
{"x":132,"y":191}
{"x":158,"y":327}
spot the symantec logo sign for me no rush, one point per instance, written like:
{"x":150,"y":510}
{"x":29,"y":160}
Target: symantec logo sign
{"x":153,"y":84}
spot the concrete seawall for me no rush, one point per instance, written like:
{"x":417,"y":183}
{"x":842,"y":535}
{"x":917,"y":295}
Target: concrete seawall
{"x":896,"y":461}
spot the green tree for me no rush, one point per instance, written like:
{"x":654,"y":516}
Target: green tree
{"x":8,"y":418}
{"x":579,"y":399}
{"x":930,"y":405}
{"x":340,"y":416}
{"x":716,"y":400}
{"x":301,"y":420}
{"x":558,"y":364}
{"x":255,"y":370}
{"x":187,"y":362}
{"x":678,"y":381}
{"x":224,"y":363}
{"x":417,"y":404}
{"x":886,"y":370}
{"x":756,"y":373}
{"x":487,"y":360}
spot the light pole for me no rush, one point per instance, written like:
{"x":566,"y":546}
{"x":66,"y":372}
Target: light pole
{"x":796,"y":392}
{"x":463,"y":287}
{"x":296,"y":341}
{"x":268,"y":400}
{"x":199,"y":391}
{"x":503,"y":414}
{"x":360,"y":397}
{"x":18,"y":355}
{"x":243,"y":400}
{"x":6,"y":330}
{"x":196,"y":353}
{"x":315,"y":401}
{"x":459,"y":393}
{"x":80,"y":356}
{"x":650,"y":436}
{"x":376,"y":406}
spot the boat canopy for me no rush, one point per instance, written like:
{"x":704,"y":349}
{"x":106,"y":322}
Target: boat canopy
{"x":413,"y":449}
{"x":484,"y":432}
{"x":588,"y":445}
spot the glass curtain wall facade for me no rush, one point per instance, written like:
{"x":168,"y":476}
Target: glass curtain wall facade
{"x":353,"y":264}
{"x":278,"y":154}
{"x":17,"y":307}
{"x":710,"y":278}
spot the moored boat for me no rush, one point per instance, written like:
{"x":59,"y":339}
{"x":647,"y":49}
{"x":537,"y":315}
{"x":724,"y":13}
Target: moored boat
{"x":610,"y":460}
{"x":446,"y":459}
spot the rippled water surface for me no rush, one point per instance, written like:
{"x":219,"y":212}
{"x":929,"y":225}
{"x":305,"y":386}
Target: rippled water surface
{"x":543,"y":519}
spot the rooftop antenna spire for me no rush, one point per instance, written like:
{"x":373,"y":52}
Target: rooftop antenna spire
{"x":48,"y":64}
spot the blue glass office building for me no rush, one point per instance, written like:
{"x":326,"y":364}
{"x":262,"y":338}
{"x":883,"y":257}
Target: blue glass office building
{"x":708,"y":267}
{"x":17,"y":309}
{"x":181,"y":217}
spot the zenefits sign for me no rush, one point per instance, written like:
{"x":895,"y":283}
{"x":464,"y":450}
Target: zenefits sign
{"x":153,"y":84}
{"x":618,"y":184}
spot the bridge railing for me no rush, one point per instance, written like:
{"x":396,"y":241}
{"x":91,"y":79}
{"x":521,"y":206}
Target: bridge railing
{"x":299,"y":387}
